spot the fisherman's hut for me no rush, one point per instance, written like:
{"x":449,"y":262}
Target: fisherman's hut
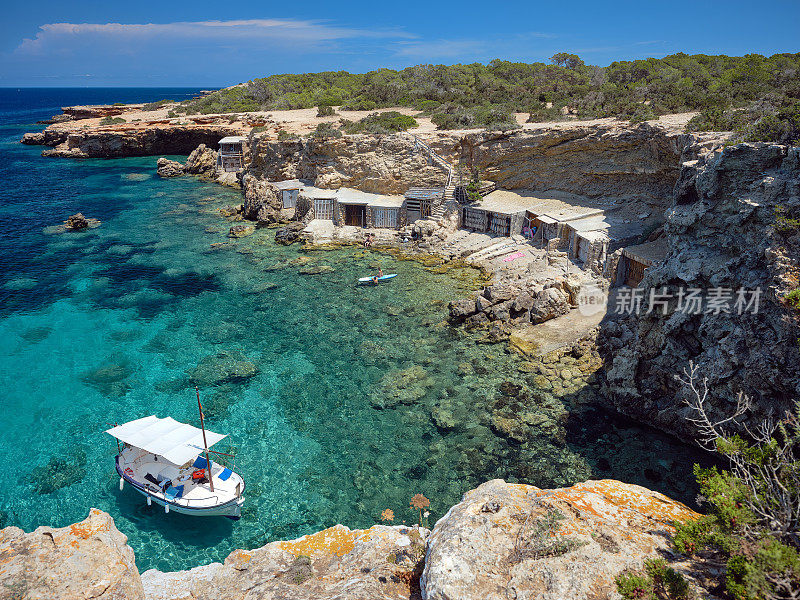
{"x":231,"y":154}
{"x":635,"y":260}
{"x":419,"y":202}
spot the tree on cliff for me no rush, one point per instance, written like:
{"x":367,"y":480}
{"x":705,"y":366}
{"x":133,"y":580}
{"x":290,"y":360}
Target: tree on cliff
{"x":754,"y":519}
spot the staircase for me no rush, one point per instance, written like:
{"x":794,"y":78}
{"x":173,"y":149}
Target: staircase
{"x":438,"y":207}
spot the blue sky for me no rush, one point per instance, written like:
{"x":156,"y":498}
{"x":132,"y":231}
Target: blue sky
{"x":204,"y":43}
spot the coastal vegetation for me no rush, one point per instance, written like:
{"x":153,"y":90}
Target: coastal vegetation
{"x":756,"y":96}
{"x":754,"y":506}
{"x":385,"y":122}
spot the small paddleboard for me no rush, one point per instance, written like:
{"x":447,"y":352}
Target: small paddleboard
{"x":382,"y":278}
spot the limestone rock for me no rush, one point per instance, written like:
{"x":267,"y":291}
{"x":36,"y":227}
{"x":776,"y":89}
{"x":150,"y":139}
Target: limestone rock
{"x":549,"y":304}
{"x":289,"y":234}
{"x":721,"y":231}
{"x":168,"y":168}
{"x":508,"y":540}
{"x":240,"y":231}
{"x":90,"y":559}
{"x":461,"y":309}
{"x":382,"y":562}
{"x":76,"y":222}
{"x":202,"y":161}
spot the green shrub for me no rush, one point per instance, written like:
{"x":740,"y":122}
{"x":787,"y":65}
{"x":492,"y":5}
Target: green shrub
{"x":543,"y":115}
{"x":118,"y":104}
{"x":155,"y":105}
{"x":325,"y":110}
{"x":491,"y":117}
{"x":632,"y":586}
{"x":325,"y":130}
{"x":785,"y":222}
{"x":112,"y":120}
{"x":793,"y":298}
{"x":383,"y":122}
{"x":754,"y":519}
{"x":284,"y":135}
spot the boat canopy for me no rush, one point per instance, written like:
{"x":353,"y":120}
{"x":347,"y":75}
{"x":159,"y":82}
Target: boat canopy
{"x":177,"y":442}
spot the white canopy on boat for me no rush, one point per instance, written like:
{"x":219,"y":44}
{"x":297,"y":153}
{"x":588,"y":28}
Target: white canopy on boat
{"x":177,"y":442}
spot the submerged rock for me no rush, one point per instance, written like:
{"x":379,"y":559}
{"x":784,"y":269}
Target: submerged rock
{"x":58,"y":473}
{"x":405,"y":386}
{"x":240,"y":231}
{"x":90,"y":559}
{"x":223,"y":367}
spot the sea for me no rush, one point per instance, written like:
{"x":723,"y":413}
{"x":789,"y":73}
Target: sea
{"x":339,"y":400}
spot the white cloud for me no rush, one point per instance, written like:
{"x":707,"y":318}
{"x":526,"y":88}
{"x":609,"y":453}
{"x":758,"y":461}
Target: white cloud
{"x":53,"y":37}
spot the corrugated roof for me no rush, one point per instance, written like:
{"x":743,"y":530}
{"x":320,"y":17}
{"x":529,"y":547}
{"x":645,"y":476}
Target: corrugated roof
{"x":232,"y":139}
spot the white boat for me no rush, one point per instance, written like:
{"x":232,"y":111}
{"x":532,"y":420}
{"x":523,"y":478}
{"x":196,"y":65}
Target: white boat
{"x":168,"y":463}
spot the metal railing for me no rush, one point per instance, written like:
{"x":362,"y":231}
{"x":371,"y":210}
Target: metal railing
{"x":435,"y":157}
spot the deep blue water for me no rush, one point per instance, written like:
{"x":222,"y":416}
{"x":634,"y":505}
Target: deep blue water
{"x":113,"y":324}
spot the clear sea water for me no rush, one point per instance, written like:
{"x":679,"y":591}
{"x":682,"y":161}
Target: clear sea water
{"x":111,"y":324}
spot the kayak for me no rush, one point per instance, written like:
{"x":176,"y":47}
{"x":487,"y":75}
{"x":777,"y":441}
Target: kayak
{"x":381,"y":278}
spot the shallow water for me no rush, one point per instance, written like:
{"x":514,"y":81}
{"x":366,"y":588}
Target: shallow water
{"x":361,"y":396}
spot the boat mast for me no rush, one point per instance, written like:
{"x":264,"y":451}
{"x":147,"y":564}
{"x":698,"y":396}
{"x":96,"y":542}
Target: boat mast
{"x":205,"y":443}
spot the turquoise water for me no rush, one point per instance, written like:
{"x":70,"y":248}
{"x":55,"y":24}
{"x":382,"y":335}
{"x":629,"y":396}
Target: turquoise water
{"x":359,"y":397}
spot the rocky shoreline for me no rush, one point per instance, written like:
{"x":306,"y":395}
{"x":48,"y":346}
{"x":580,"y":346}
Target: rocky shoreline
{"x":500,"y":539}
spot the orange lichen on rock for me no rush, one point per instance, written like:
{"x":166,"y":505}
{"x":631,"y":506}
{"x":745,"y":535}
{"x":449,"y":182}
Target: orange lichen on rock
{"x":334,"y":541}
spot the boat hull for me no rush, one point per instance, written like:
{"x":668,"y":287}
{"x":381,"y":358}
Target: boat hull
{"x":231,"y":509}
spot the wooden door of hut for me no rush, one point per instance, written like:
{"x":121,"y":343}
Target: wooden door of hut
{"x":290,"y":198}
{"x":384,"y":217}
{"x":500,"y":224}
{"x":323,"y":208}
{"x":474,"y":219}
{"x":355,"y":215}
{"x":634,"y":272}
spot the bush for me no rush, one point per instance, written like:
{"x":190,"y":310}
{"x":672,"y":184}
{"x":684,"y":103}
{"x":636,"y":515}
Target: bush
{"x":754,"y":507}
{"x":492,"y":117}
{"x":543,"y":115}
{"x":325,"y":110}
{"x":785,"y":222}
{"x":284,"y":135}
{"x":326,"y":130}
{"x":155,"y":105}
{"x":384,"y":123}
{"x":112,"y":120}
{"x":793,"y":298}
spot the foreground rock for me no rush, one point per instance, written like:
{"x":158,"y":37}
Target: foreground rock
{"x":380,"y":563}
{"x":516,"y":541}
{"x":90,"y":559}
{"x":501,"y":541}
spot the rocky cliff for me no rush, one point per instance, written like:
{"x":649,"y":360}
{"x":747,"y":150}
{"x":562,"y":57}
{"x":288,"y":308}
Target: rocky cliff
{"x":382,"y":164}
{"x":502,"y":540}
{"x":611,"y":160}
{"x":724,"y":231}
{"x":126,"y":140}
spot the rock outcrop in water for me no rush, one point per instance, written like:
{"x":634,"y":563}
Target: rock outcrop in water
{"x":115,"y":141}
{"x":502,"y":540}
{"x":723,"y":232}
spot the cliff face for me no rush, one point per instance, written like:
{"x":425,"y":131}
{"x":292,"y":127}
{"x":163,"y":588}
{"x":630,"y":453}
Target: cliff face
{"x":606,"y":160}
{"x":382,"y":164}
{"x":127,"y":140}
{"x":721,"y":231}
{"x":502,"y":540}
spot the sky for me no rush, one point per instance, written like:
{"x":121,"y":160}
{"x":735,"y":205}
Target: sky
{"x":47,"y":43}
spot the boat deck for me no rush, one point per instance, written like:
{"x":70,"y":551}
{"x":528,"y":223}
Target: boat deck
{"x":137,"y":465}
